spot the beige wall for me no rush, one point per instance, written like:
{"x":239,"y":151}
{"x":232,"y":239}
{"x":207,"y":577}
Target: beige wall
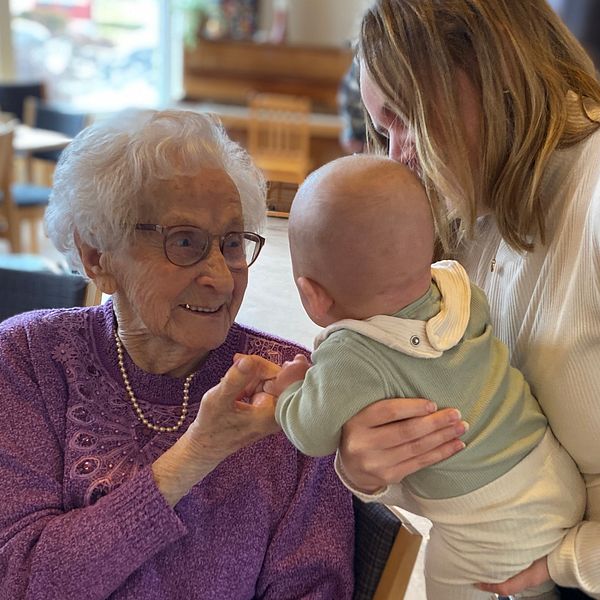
{"x":319,"y":22}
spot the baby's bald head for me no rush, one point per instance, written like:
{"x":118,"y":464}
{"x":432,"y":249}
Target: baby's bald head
{"x":361,"y":227}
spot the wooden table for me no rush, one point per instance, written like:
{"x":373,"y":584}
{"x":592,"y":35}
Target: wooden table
{"x":324,"y":128}
{"x":28,"y":140}
{"x":31,"y":139}
{"x":236,"y":117}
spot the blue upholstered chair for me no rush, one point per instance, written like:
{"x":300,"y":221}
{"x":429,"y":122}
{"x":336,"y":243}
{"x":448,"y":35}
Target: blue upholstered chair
{"x":13,"y":94}
{"x":44,"y":115}
{"x":384,"y":553}
{"x":30,"y":282}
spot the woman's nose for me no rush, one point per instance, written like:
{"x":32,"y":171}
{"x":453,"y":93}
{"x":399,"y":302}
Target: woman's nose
{"x":215,"y":271}
{"x":394,"y":151}
{"x":400,"y":147}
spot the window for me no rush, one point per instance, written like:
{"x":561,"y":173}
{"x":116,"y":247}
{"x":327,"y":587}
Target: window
{"x":96,"y":55}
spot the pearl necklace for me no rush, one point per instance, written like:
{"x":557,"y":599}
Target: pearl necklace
{"x":135,"y":404}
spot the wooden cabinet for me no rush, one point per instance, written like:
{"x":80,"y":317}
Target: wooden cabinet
{"x":228,"y":71}
{"x":220,"y":75}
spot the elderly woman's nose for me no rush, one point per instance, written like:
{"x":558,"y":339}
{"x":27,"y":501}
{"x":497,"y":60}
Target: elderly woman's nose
{"x":215,"y":270}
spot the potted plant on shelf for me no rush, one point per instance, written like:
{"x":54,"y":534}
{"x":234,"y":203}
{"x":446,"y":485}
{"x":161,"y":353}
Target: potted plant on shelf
{"x":201,"y":19}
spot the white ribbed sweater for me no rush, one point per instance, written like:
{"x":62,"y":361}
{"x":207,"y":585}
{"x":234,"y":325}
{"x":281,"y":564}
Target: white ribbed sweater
{"x":545,"y":306}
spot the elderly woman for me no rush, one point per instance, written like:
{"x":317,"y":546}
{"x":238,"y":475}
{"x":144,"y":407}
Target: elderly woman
{"x":131,"y":463}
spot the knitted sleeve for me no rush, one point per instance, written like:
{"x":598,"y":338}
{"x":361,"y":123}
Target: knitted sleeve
{"x":309,"y":549}
{"x":46,"y":549}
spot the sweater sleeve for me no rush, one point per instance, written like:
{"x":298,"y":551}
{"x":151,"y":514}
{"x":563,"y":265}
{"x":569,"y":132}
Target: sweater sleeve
{"x":308,"y":557}
{"x":576,"y":562}
{"x":343,"y":380}
{"x":47,"y":551}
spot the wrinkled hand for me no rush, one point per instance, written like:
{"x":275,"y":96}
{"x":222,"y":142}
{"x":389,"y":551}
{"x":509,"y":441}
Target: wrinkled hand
{"x":227,"y":421}
{"x":231,"y":414}
{"x":391,"y":439}
{"x":534,"y":575}
{"x":255,"y":394}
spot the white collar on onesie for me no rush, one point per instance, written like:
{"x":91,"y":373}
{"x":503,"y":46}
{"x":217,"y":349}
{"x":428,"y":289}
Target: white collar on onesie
{"x":422,"y":339}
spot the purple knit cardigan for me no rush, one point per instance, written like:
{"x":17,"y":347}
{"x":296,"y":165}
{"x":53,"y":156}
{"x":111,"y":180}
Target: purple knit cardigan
{"x":81,"y":516}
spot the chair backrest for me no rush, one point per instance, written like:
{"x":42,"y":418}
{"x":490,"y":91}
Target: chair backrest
{"x":7,"y":131}
{"x":13,"y":94}
{"x":38,"y":113}
{"x":279,"y":135}
{"x":384,"y":553}
{"x":21,"y":291}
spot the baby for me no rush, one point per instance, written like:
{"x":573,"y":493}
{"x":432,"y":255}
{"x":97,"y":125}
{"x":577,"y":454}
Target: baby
{"x":361,"y":238}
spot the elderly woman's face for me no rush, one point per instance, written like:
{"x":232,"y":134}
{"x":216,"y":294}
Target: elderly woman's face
{"x":192,"y":307}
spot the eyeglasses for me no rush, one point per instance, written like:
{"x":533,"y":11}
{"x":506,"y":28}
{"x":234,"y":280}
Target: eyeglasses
{"x":185,"y":245}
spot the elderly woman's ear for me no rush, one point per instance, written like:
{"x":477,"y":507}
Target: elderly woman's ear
{"x":95,"y":264}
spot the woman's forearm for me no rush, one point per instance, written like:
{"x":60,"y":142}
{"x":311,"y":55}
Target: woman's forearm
{"x":223,"y":426}
{"x":178,"y":470}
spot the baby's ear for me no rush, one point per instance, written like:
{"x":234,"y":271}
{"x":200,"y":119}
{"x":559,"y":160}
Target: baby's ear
{"x":316,"y":300}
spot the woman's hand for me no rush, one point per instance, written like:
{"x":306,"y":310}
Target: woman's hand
{"x":393,"y":438}
{"x":224,"y":424}
{"x":534,"y":575}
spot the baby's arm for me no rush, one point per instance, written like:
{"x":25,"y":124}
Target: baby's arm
{"x":260,"y":390}
{"x":344,"y":378}
{"x":291,"y":371}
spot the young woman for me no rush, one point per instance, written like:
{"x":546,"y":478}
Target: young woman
{"x":497,"y":107}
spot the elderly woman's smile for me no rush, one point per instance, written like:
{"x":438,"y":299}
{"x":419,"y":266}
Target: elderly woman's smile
{"x":187,"y":310}
{"x":200,"y":309}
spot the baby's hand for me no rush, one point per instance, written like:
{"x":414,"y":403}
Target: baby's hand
{"x":291,"y":371}
{"x":260,"y":366}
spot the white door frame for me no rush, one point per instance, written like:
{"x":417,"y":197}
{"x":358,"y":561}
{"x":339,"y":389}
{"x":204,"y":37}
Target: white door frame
{"x":7,"y":68}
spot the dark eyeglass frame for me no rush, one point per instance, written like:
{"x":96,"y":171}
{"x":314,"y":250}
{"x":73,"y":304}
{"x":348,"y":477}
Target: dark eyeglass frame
{"x":164,"y":230}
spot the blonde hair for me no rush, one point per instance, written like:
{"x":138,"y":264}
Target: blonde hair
{"x":522,"y":61}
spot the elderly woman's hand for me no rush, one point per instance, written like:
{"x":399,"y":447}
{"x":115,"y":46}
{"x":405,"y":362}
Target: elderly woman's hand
{"x":393,"y":438}
{"x":269,"y":389}
{"x":224,"y":424}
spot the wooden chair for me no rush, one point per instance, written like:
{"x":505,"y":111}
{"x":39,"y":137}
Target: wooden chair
{"x":31,"y":282}
{"x":384,"y":555}
{"x":280,"y":195}
{"x":279,"y":136}
{"x":22,"y":202}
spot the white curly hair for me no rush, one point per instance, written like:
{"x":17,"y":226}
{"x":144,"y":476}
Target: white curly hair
{"x":101,"y":177}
